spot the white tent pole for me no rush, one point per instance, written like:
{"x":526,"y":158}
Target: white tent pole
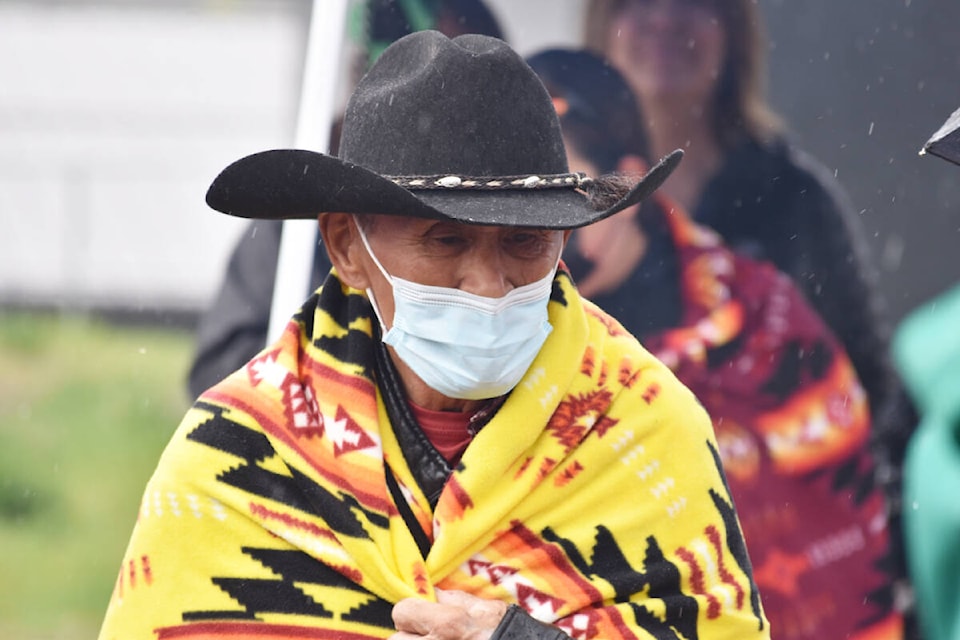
{"x":318,"y":97}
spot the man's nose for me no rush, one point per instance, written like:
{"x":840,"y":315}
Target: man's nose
{"x":485,"y":274}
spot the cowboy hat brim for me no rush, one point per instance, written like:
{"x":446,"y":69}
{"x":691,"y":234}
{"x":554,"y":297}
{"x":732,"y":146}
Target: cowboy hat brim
{"x":301,"y":184}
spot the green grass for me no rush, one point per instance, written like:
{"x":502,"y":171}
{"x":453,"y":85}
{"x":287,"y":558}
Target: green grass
{"x":85,"y":410}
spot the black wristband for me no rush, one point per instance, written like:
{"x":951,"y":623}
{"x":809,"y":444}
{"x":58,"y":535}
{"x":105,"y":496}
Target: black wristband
{"x":517,"y":624}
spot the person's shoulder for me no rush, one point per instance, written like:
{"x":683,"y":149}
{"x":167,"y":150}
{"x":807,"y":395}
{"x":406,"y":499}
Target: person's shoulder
{"x":768,"y":296}
{"x":802,"y":172}
{"x":926,"y":348}
{"x":754,"y":177}
{"x":264,"y":384}
{"x":612,"y":339}
{"x":638,"y":375}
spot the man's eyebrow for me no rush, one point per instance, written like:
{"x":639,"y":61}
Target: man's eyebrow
{"x":443,"y":225}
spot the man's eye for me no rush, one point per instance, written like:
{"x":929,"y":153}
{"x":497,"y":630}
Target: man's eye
{"x":526,"y":240}
{"x":446,"y":244}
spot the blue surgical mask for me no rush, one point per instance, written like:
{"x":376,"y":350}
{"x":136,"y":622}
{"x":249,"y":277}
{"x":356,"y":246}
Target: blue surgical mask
{"x":461,"y":344}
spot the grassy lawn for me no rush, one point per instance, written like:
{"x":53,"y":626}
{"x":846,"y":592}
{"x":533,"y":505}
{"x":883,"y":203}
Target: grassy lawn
{"x":85,"y":409}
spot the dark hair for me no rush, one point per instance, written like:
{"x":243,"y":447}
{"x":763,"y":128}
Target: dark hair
{"x":389,"y":20}
{"x":598,"y":113}
{"x":740,"y":108}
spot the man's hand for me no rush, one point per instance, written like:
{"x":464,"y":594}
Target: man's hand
{"x":455,"y":616}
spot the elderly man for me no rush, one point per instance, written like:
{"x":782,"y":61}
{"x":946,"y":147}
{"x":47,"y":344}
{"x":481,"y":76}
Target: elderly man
{"x":447,"y":442}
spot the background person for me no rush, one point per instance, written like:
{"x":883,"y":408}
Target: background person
{"x":790,"y":416}
{"x":927,"y":351}
{"x":926,"y":348}
{"x":697,"y":69}
{"x":440,"y":443}
{"x":233,"y":328}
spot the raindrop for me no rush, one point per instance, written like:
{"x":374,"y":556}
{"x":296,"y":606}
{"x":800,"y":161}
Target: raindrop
{"x":870,"y":132}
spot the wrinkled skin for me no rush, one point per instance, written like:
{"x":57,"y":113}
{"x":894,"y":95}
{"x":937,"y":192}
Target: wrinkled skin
{"x":455,"y":616}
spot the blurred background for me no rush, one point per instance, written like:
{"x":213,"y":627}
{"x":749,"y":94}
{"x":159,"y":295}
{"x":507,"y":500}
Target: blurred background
{"x":115,"y":115}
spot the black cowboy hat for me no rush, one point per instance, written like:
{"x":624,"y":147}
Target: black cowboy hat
{"x":444,"y":129}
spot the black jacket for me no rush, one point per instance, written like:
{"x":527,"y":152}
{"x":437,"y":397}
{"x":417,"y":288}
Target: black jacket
{"x":776,"y":203}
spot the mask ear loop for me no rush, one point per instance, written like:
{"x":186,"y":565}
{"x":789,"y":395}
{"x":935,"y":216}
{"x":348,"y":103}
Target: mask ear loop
{"x":368,"y":290}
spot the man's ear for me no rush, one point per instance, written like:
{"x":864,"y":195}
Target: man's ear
{"x":632,"y":165}
{"x":345,"y":248}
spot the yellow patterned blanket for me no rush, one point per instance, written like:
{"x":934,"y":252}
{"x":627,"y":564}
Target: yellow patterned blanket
{"x":593,"y":498}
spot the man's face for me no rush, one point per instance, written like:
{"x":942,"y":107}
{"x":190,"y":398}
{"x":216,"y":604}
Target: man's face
{"x":482,"y":260}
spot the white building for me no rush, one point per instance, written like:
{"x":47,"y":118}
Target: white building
{"x":115,"y":117}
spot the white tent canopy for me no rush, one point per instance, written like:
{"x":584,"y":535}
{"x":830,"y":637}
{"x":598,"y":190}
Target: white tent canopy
{"x":317,"y":107}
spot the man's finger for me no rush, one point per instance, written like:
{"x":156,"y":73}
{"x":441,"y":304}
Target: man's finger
{"x":413,"y":615}
{"x":454,"y":598}
{"x":482,"y":612}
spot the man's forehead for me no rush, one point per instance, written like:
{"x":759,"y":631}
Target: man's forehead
{"x":417,"y":225}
